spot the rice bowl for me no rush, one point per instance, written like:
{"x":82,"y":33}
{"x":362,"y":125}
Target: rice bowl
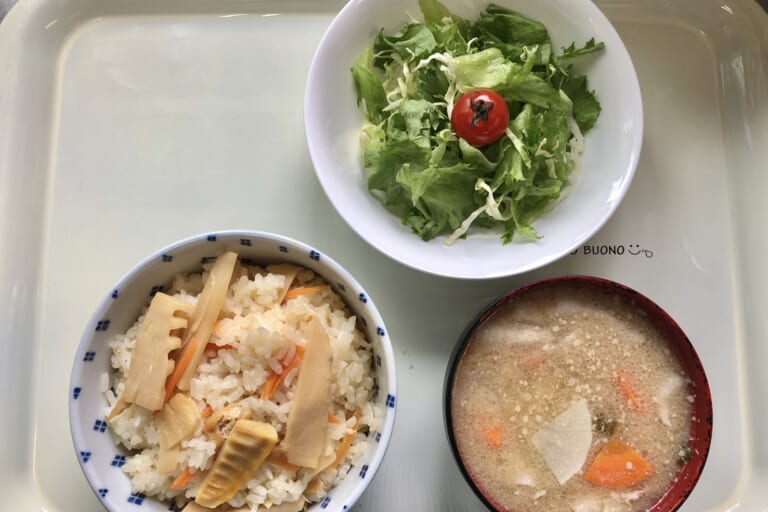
{"x":248,"y":373}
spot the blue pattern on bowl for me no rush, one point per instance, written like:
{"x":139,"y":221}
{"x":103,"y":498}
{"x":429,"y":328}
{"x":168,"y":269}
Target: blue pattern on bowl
{"x":136,"y":498}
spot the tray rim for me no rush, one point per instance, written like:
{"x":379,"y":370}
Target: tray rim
{"x":27,"y":9}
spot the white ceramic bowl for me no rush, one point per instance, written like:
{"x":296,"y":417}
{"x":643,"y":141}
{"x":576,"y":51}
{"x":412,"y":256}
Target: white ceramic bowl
{"x":101,"y":459}
{"x":333,"y":122}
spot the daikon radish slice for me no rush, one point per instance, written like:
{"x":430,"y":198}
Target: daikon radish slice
{"x":669,"y":387}
{"x":565,"y":440}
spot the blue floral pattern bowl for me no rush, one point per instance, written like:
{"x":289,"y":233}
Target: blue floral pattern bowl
{"x":101,"y":459}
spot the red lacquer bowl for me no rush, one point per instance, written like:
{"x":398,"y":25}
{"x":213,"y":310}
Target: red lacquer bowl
{"x":679,"y":344}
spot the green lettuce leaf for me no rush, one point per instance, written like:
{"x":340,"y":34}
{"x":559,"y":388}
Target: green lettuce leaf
{"x":371,"y":97}
{"x":487,"y":68}
{"x":590,"y":46}
{"x":391,"y":158}
{"x":528,"y":88}
{"x":507,"y":25}
{"x":450,"y":31}
{"x":434,"y":12}
{"x":586,"y":108}
{"x":441,"y":197}
{"x":414,"y":41}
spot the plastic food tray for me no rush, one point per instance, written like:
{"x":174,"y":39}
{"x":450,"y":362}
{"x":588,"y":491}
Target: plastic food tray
{"x":125,"y":125}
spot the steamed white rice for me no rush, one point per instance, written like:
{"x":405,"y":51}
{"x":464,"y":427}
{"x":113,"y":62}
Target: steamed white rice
{"x":255,"y":333}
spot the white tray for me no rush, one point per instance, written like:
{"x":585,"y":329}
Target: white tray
{"x":125,"y":125}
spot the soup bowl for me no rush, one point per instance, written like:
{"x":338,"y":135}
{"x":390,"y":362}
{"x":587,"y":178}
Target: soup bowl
{"x":580,"y":375}
{"x":105,"y":463}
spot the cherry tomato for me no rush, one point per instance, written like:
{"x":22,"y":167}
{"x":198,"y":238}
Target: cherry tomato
{"x":480,"y":116}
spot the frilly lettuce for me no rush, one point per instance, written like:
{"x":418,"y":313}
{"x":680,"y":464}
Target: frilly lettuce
{"x":437,"y":183}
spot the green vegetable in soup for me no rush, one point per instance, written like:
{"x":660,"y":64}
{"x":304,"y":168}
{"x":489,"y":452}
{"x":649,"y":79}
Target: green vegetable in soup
{"x":604,"y":425}
{"x":685,"y":454}
{"x":407,"y":83}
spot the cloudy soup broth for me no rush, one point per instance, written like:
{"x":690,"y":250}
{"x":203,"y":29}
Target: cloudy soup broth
{"x":568,"y":399}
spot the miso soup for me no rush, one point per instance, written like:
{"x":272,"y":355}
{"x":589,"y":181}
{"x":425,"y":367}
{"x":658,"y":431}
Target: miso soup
{"x":568,"y":399}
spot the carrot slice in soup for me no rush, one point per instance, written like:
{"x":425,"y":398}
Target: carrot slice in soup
{"x":618,"y":465}
{"x":630,"y":390}
{"x":493,"y":435}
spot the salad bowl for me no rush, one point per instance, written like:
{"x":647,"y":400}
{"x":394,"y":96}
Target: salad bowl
{"x":334,"y":125}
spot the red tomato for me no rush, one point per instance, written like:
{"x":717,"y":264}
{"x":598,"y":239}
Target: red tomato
{"x":480,"y":116}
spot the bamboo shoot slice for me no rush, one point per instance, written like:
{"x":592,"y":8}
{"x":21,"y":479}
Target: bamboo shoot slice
{"x":118,"y":408}
{"x":290,"y":272}
{"x":315,"y":489}
{"x":307,"y":426}
{"x":294,"y":506}
{"x":150,"y":364}
{"x":206,"y":313}
{"x":326,"y":459}
{"x":194,"y":507}
{"x":178,"y":420}
{"x":168,"y":459}
{"x":219,"y":424}
{"x":241,"y":455}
